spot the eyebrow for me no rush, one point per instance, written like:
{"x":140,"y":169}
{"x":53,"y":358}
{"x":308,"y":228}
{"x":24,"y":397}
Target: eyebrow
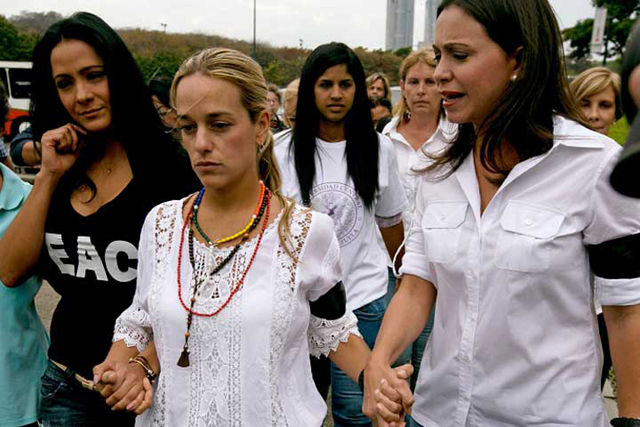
{"x":82,"y":70}
{"x":209,"y":116}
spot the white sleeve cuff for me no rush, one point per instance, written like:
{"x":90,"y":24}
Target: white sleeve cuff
{"x":618,"y":291}
{"x":133,"y":327}
{"x":326,"y":335}
{"x":416,"y":264}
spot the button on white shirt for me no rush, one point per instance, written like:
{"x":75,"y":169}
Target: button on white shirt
{"x":515,"y":337}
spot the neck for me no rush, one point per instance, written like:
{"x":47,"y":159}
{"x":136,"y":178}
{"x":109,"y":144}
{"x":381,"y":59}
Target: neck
{"x":232,"y":198}
{"x":425,"y":123}
{"x":331,"y":131}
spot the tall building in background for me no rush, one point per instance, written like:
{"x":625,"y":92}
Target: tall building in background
{"x":430,"y":12}
{"x":399,"y":24}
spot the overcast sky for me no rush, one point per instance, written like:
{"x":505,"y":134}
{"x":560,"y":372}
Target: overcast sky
{"x":279,"y":22}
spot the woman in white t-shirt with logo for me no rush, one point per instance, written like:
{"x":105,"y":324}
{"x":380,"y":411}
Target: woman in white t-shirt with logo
{"x":334,"y":161}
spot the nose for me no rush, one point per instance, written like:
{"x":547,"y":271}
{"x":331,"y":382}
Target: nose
{"x":202,"y":140}
{"x":442,"y":72}
{"x":593,"y":113}
{"x":83,"y":92}
{"x":336,"y":93}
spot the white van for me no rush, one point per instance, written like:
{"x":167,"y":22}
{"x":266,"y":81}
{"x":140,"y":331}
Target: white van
{"x":16,"y":77}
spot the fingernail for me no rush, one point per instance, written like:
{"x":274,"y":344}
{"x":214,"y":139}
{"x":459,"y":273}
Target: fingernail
{"x":402,"y":372}
{"x":129,"y":406}
{"x":376,"y":392}
{"x":383,"y":381}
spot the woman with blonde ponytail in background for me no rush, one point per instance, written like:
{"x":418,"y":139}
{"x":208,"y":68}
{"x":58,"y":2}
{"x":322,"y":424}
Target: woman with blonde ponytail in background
{"x":237,"y":285}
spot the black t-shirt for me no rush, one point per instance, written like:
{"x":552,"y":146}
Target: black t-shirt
{"x":91,"y":262}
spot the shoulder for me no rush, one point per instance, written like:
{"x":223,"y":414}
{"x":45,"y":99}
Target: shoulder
{"x":166,"y":211}
{"x":391,"y":127}
{"x":584,"y":146}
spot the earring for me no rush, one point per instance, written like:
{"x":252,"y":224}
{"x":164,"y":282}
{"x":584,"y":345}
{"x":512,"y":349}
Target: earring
{"x":514,"y":77}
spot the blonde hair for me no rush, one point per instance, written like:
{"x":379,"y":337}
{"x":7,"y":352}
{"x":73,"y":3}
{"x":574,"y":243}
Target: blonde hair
{"x":243,"y":72}
{"x":423,"y":56}
{"x":290,"y":93}
{"x":593,"y":81}
{"x":385,"y":81}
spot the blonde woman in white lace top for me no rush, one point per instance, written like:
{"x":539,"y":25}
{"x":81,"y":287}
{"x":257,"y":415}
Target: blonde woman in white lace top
{"x":241,"y":358}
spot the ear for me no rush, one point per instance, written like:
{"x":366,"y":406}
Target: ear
{"x":402,"y":87}
{"x":262,"y":126}
{"x":516,"y":59}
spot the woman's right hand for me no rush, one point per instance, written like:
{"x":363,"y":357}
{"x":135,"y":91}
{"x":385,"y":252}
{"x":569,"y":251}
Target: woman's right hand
{"x":387,"y":397}
{"x":61,"y":148}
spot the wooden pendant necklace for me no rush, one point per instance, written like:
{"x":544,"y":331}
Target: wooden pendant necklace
{"x":263,"y":208}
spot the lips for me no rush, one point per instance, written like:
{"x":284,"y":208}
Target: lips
{"x":206,"y":165}
{"x":450,"y":97}
{"x":91,"y":112}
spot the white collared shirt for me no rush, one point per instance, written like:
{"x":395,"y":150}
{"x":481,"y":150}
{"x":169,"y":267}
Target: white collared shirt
{"x":515,"y":339}
{"x":411,"y":160}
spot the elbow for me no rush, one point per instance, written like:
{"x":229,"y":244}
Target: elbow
{"x":9,"y":280}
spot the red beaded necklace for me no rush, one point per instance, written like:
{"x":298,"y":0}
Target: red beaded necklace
{"x":184,"y":357}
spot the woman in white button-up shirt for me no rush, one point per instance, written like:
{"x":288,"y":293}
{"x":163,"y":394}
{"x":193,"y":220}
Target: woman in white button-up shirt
{"x":513,"y":219}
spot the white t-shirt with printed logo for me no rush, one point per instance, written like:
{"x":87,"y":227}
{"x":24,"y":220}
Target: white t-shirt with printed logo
{"x":364,"y":261}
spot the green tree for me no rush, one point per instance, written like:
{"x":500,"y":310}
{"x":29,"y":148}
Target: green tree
{"x":621,"y":15}
{"x":403,"y":52}
{"x":15,"y":46}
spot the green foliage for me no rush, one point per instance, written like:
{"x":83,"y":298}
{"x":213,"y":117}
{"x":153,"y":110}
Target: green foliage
{"x":619,"y":131}
{"x":36,"y":22}
{"x":15,"y":46}
{"x":403,"y":52}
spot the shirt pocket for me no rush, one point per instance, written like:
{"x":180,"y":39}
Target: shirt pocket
{"x":441,"y":228}
{"x":525,"y":232}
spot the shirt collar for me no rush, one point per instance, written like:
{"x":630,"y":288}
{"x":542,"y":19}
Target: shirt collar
{"x":13,"y":190}
{"x":572,"y":134}
{"x":446,"y":130}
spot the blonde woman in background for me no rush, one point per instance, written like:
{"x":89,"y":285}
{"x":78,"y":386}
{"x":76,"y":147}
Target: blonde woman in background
{"x":597,"y":91}
{"x":378,"y":86}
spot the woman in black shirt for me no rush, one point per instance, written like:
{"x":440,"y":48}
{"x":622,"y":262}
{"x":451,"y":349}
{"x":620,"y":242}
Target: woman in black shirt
{"x":106,"y":161}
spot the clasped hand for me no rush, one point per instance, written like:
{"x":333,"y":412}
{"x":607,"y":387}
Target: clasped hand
{"x":387,"y":396}
{"x":124,"y":386}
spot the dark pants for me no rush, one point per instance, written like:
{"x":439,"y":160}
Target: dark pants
{"x":65,"y":403}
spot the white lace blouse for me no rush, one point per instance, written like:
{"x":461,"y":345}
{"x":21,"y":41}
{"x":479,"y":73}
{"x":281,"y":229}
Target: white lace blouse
{"x":249,"y":365}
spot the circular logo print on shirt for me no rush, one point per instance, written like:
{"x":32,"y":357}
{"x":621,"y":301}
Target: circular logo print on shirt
{"x":342,"y":204}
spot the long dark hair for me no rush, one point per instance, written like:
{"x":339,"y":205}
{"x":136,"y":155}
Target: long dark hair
{"x":362,"y":140}
{"x":524,"y":114}
{"x":134,"y":120}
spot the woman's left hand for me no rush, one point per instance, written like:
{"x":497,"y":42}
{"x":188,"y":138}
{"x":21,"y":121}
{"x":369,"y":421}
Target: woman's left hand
{"x":123,"y":384}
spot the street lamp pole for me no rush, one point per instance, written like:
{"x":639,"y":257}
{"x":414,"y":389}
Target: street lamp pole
{"x":254,"y":30}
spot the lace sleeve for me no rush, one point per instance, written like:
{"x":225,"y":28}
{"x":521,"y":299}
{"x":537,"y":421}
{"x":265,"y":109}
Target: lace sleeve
{"x":326,"y":335}
{"x":134,"y":324}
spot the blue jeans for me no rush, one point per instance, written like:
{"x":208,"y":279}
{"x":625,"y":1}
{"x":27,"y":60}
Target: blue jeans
{"x":65,"y":403}
{"x":346,"y":397}
{"x":413,"y":423}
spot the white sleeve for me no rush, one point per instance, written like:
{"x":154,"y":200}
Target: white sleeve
{"x":133,"y":326}
{"x":414,"y":261}
{"x":613,"y":217}
{"x":326,"y":335}
{"x":321,"y":258}
{"x":392,"y":198}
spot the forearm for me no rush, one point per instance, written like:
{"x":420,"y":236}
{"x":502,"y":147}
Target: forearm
{"x":21,"y":244}
{"x":30,"y":155}
{"x":351,"y":356}
{"x":623,"y":327}
{"x":404,"y":319}
{"x":121,"y":353}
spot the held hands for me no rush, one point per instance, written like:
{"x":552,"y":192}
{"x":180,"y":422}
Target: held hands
{"x":387,"y":397}
{"x":124,"y":386}
{"x":61,"y":148}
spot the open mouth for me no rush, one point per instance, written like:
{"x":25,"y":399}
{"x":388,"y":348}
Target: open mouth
{"x":451,"y":96}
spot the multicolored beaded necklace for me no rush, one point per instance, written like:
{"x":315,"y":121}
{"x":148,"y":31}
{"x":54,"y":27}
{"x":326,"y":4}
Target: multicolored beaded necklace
{"x":264,"y":205}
